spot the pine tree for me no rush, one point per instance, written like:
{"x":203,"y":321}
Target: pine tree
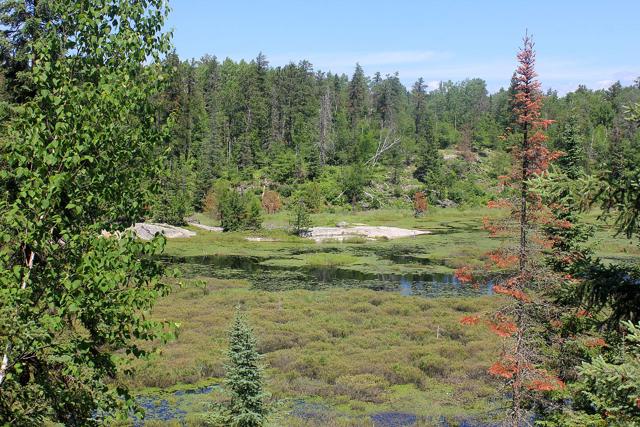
{"x":238,"y":211}
{"x":174,"y":201}
{"x":607,"y":391}
{"x":419,"y":100}
{"x":613,"y":387}
{"x":386,"y":100}
{"x":570,"y":142}
{"x":243,"y":378}
{"x":358,"y":96}
{"x":429,"y":164}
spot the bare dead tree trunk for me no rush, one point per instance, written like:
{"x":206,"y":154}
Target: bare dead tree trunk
{"x":516,"y":386}
{"x":384,"y":145}
{"x":524,"y":189}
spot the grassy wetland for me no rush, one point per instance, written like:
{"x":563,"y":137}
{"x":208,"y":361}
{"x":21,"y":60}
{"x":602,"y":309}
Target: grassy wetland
{"x":352,"y":333}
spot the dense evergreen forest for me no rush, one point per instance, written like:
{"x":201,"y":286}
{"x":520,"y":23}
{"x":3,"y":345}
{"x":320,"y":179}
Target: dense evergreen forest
{"x":364,"y":140}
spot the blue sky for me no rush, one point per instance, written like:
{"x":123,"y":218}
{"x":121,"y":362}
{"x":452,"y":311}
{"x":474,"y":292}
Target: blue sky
{"x":578,"y":42}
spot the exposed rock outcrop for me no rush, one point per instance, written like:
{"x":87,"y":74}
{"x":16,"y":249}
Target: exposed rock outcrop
{"x":146,"y":231}
{"x":366,"y":231}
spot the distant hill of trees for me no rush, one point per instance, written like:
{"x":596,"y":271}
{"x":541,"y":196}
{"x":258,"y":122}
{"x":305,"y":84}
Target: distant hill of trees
{"x":282,"y":127}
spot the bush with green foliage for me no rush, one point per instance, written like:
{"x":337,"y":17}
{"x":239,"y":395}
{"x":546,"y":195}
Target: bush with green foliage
{"x":300,"y":221}
{"x":312,"y":194}
{"x":77,"y":160}
{"x":467,"y":192}
{"x":329,"y":184}
{"x":354,"y":179}
{"x":239,"y":211}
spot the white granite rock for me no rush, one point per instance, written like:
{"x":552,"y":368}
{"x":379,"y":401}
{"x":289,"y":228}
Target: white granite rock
{"x":146,"y":231}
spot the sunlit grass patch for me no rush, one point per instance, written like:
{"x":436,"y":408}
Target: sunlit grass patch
{"x":330,"y":260}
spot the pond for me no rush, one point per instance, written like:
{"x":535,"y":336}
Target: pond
{"x":267,"y":276}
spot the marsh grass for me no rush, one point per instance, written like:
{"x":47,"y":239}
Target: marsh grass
{"x":330,"y":259}
{"x":351,"y":352}
{"x":358,"y":350}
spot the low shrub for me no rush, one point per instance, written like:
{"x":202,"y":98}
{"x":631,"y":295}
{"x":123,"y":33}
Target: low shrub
{"x":420,"y":204}
{"x":364,"y":387}
{"x":330,"y":260}
{"x":239,"y":211}
{"x":271,"y":202}
{"x":434,"y":365}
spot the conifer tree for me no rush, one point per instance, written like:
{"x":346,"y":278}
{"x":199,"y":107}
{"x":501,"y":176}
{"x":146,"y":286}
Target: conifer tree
{"x":358,"y":96}
{"x":419,"y":101}
{"x":174,"y":201}
{"x":300,"y":221}
{"x":519,"y":270}
{"x":571,"y":161}
{"x":243,"y":378}
{"x":429,"y":164}
{"x":238,"y":211}
{"x":613,"y":386}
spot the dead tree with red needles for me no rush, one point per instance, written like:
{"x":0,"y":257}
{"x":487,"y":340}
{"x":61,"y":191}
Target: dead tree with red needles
{"x":517,"y":269}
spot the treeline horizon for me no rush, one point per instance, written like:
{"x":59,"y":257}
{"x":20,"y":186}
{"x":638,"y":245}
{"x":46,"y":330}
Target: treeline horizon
{"x":279,"y":127}
{"x":547,"y":91}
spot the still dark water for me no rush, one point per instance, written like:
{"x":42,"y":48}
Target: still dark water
{"x":276,"y":278}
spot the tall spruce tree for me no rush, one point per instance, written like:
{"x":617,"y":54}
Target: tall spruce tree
{"x":358,"y":96}
{"x":520,"y":274}
{"x":571,"y":143}
{"x":429,"y":164}
{"x":243,"y":379}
